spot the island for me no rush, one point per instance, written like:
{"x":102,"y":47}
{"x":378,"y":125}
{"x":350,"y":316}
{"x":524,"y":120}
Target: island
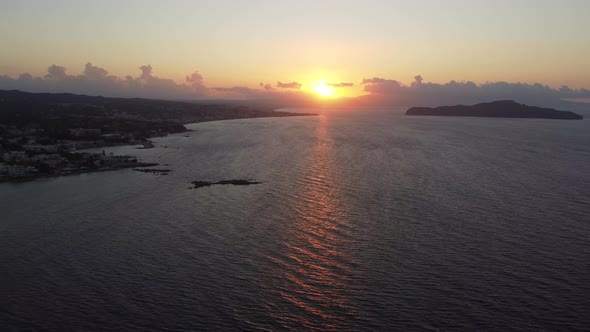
{"x":496,"y":109}
{"x":41,"y":134}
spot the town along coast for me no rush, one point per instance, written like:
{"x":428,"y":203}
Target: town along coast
{"x":41,"y":134}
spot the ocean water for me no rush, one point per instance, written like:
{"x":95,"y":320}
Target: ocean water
{"x":363,"y":221}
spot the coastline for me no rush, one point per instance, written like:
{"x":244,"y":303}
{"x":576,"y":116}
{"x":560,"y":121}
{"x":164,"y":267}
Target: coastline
{"x":149,"y":144}
{"x":75,"y":172}
{"x":132,"y":161}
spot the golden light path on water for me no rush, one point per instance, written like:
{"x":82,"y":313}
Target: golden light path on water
{"x":315,"y":267}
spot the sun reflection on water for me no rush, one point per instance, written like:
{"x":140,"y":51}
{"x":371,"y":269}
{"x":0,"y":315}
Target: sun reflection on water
{"x":315,"y":266}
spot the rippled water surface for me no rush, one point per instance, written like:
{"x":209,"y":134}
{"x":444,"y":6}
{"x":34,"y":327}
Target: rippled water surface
{"x":362,"y":222}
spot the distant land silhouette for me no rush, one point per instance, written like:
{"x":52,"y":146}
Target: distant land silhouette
{"x":496,"y":109}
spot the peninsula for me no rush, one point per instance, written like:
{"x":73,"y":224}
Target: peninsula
{"x":496,"y":109}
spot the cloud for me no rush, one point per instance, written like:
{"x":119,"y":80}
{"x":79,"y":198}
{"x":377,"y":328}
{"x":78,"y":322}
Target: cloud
{"x":419,"y":93}
{"x":340,"y":85}
{"x":94,"y":72}
{"x":56,"y":73}
{"x":292,"y":85}
{"x":196,"y":80}
{"x":146,"y":72}
{"x":25,"y":77}
{"x":417,"y":80}
{"x":95,"y":80}
{"x":380,"y":92}
{"x":376,"y":80}
{"x":378,"y":85}
{"x":266,"y":87}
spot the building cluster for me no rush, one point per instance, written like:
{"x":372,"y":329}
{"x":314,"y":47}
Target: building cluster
{"x":84,"y":132}
{"x":23,"y":154}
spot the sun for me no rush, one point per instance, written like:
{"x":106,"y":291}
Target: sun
{"x":323,"y":90}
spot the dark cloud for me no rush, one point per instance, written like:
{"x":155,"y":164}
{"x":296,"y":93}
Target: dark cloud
{"x":25,"y":77}
{"x":96,"y":81}
{"x":146,"y":72}
{"x":266,"y":87}
{"x":56,"y":73}
{"x":94,"y":72}
{"x":417,"y":80}
{"x":340,"y":85}
{"x":292,"y":85}
{"x":378,"y":85}
{"x":419,"y":93}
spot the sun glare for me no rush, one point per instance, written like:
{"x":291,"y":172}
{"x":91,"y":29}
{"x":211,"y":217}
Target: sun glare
{"x":323,"y":90}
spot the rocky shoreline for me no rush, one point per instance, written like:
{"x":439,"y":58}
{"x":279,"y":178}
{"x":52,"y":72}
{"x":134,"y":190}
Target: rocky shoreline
{"x":37,"y":175}
{"x":154,"y":171}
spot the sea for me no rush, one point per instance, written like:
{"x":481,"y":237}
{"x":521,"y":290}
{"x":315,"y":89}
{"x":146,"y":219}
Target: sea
{"x":364,"y":220}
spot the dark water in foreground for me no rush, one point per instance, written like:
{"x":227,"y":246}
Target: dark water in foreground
{"x":361,"y":223}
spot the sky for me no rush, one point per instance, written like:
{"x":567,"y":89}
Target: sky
{"x":322,"y":47}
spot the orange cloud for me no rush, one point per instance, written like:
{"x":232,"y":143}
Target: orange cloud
{"x":292,"y":85}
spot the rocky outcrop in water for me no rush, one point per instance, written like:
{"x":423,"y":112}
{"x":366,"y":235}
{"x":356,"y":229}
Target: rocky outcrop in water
{"x":200,"y":184}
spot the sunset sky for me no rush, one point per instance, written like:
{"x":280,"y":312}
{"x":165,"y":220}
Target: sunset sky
{"x":245,"y":43}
